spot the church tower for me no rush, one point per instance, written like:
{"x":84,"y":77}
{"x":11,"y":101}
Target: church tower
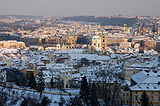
{"x":143,"y":29}
{"x":154,"y":27}
{"x":139,"y":30}
{"x":104,"y":42}
{"x":158,"y":31}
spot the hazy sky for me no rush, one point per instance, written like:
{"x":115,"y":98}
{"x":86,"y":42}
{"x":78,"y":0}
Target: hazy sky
{"x":80,"y":7}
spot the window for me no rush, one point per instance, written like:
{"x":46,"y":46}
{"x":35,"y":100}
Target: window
{"x":123,"y":101}
{"x":136,"y":104}
{"x":123,"y":94}
{"x":117,"y":94}
{"x":152,"y":97}
{"x":136,"y":92}
{"x":117,"y":102}
{"x":159,"y":98}
{"x":98,"y":44}
{"x":152,"y":92}
{"x":136,"y":97}
{"x":127,"y":94}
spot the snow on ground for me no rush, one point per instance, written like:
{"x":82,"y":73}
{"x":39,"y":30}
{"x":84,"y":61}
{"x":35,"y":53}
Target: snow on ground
{"x":54,"y":98}
{"x":74,"y":91}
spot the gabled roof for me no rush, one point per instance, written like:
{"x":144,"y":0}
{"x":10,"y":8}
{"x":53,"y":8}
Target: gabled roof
{"x":146,"y":80}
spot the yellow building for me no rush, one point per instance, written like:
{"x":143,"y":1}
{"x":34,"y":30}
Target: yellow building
{"x":158,"y":31}
{"x":104,"y":42}
{"x":116,"y":41}
{"x":125,"y":97}
{"x":145,"y":81}
{"x":125,"y":44}
{"x":96,"y":42}
{"x":31,"y":69}
{"x":12,"y":44}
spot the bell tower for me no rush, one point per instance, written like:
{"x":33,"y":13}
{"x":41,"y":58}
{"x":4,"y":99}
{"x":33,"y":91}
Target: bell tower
{"x":103,"y":42}
{"x":158,"y":31}
{"x":143,"y":29}
{"x":139,"y":30}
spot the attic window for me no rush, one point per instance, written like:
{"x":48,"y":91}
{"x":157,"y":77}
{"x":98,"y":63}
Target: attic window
{"x":159,"y":83}
{"x":147,"y":74}
{"x":155,"y":88}
{"x":155,"y":71}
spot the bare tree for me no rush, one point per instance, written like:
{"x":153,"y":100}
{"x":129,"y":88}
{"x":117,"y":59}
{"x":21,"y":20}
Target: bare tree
{"x":108,"y":84}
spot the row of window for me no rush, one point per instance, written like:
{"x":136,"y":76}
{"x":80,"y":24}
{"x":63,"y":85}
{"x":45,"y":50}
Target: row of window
{"x":151,"y":105}
{"x":151,"y":98}
{"x":125,"y":94}
{"x":151,"y":92}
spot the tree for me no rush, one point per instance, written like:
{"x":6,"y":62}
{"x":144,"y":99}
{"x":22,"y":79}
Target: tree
{"x":32,"y":82}
{"x":84,"y":90}
{"x":76,"y":101}
{"x":35,"y":102}
{"x":25,"y":102}
{"x":40,"y":84}
{"x":109,"y":84}
{"x":3,"y":96}
{"x":144,"y":100}
{"x":93,"y":98}
{"x":62,"y":101}
{"x":45,"y":101}
{"x":84,"y":61}
{"x":52,"y":83}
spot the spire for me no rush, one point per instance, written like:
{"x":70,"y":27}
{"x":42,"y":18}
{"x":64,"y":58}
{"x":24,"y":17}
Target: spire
{"x":154,"y":27}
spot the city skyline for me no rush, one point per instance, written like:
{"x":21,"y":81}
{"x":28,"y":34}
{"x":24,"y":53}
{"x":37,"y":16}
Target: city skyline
{"x":83,"y":7}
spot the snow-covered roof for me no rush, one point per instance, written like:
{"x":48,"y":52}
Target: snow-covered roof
{"x":146,"y":80}
{"x":89,"y":57}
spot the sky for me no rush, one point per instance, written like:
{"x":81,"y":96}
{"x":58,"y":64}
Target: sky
{"x":80,"y":7}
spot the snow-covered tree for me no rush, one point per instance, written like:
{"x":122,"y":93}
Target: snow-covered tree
{"x":32,"y":82}
{"x":84,"y":90}
{"x":40,"y":83}
{"x":144,"y":100}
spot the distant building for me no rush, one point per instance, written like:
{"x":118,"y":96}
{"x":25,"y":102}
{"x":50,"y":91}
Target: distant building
{"x":96,"y":42}
{"x":36,"y":48}
{"x":115,"y":41}
{"x":142,"y":30}
{"x":12,"y":44}
{"x":154,"y":29}
{"x":7,"y":36}
{"x":66,"y":40}
{"x":29,"y":70}
{"x":125,"y":45}
{"x":32,"y":41}
{"x":158,"y":31}
{"x":37,"y":21}
{"x":150,"y":44}
{"x":104,"y":42}
{"x":11,"y":75}
{"x":158,"y":46}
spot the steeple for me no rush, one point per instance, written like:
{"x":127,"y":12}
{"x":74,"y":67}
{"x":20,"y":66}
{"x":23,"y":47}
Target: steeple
{"x":154,"y":27}
{"x":143,"y":29}
{"x":139,"y":29}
